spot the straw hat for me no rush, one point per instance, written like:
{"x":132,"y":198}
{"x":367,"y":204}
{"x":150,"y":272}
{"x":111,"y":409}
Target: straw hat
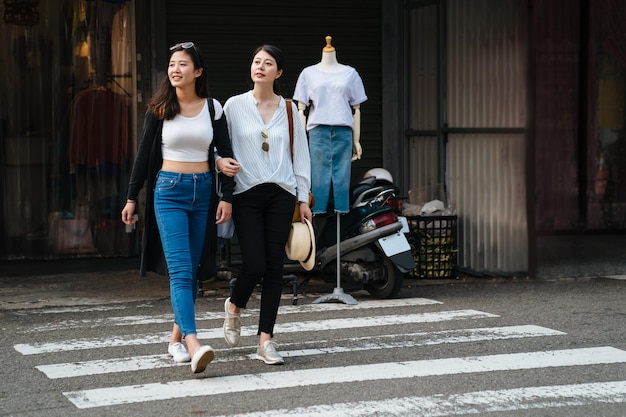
{"x":301,"y":244}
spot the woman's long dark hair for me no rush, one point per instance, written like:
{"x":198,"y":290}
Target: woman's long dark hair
{"x":164,"y":104}
{"x":278,"y":56}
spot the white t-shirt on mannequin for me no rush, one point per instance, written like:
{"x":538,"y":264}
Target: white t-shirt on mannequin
{"x":333,"y":91}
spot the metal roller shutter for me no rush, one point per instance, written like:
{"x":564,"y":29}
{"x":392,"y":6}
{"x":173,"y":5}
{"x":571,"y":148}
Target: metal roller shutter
{"x":228,"y":31}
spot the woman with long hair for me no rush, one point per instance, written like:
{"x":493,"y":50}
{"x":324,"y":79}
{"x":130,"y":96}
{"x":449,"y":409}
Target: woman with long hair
{"x":266,"y":190}
{"x":182,"y":125}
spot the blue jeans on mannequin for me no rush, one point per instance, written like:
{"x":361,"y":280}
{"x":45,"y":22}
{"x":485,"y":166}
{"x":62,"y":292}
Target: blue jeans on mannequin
{"x":331,"y":158}
{"x":181,"y":204}
{"x":262,"y":217}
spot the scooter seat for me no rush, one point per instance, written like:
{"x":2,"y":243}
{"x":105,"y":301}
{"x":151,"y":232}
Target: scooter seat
{"x":357,"y":189}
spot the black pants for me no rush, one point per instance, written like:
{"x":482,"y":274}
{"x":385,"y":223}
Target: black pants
{"x":262,"y":217}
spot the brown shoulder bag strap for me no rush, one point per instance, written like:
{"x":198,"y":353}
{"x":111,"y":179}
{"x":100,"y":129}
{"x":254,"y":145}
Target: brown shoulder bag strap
{"x":290,"y":118}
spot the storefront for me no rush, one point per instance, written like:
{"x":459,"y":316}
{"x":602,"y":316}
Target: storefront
{"x":510,"y":110}
{"x":71,"y":130}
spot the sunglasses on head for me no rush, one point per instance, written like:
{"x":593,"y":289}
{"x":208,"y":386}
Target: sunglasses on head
{"x":187,"y":45}
{"x":184,"y":45}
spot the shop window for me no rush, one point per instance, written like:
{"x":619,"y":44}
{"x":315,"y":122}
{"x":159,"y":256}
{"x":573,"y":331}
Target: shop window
{"x":607,"y":205}
{"x":66,"y":127}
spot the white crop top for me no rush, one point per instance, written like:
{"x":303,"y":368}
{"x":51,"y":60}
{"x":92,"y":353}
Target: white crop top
{"x":187,"y":139}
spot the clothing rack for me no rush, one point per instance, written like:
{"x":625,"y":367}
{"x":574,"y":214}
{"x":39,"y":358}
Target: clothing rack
{"x":112,"y":78}
{"x":109,"y":78}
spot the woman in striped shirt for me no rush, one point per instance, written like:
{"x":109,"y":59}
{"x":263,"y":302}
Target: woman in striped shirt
{"x":266,"y":187}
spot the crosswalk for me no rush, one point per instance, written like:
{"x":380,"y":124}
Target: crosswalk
{"x":474,"y":403}
{"x":377,"y":328}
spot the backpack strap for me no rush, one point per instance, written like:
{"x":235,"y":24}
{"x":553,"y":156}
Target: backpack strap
{"x":211,"y":111}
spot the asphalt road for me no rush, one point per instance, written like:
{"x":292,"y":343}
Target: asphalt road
{"x":513,"y":347}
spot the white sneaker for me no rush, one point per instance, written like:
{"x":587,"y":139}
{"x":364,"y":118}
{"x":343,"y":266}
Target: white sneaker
{"x":178,"y":352}
{"x":268,"y":354}
{"x":232,"y":325}
{"x":201,"y":358}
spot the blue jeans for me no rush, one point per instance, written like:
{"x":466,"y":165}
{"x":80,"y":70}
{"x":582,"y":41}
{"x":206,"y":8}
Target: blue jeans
{"x":181,"y":206}
{"x":331,"y":158}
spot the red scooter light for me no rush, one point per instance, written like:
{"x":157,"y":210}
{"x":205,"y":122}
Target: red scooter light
{"x":394,"y":203}
{"x":379,"y":221}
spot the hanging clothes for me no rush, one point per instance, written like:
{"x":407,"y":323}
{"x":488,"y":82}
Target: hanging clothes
{"x":100,"y":129}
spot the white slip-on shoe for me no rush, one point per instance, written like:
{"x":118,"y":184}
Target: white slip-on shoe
{"x":268,"y":354}
{"x":232,"y":325}
{"x":179,"y":353}
{"x":201,"y":358}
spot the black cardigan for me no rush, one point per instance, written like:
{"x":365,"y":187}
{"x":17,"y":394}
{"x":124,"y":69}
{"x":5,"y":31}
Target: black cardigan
{"x":147,"y":165}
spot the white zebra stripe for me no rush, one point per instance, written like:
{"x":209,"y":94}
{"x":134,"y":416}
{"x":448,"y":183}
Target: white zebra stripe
{"x":169,"y":318}
{"x":477,"y":402}
{"x":78,"y":309}
{"x":138,"y":363}
{"x":102,"y":397}
{"x":307,"y":326}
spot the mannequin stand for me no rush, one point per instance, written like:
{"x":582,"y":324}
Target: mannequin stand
{"x":338,"y":293}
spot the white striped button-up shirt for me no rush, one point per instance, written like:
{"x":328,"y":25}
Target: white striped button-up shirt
{"x":273,"y":166}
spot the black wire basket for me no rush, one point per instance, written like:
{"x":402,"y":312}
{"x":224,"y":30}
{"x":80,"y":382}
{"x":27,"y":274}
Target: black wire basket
{"x":433,"y":241}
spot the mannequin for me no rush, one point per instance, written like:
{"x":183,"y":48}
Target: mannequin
{"x":334,"y":93}
{"x":329,"y":63}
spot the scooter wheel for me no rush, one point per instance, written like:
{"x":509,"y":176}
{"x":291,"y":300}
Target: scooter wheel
{"x":390,"y":286}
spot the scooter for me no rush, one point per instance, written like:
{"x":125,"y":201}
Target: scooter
{"x":374,"y":252}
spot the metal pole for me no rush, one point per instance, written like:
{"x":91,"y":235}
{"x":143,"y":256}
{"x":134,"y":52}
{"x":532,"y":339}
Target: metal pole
{"x":338,"y":293}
